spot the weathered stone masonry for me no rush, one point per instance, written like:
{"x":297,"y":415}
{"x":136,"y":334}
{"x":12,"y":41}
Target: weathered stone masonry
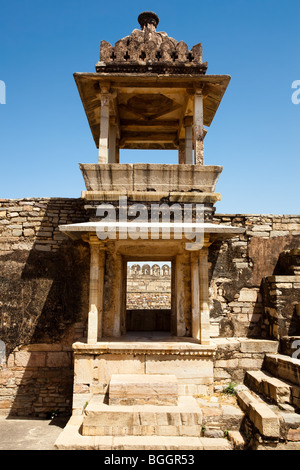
{"x":42,"y":301}
{"x":239,"y":267}
{"x":44,"y":296}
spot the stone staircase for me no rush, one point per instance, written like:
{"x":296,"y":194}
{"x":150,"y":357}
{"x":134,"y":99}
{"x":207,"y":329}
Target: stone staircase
{"x":145,"y":412}
{"x":141,"y":412}
{"x":272,"y":404}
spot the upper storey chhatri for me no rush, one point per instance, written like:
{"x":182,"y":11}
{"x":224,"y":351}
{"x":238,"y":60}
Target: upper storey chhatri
{"x":146,"y":50}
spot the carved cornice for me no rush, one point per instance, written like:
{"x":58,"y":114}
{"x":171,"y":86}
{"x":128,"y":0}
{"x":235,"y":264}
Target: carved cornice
{"x":144,"y":350}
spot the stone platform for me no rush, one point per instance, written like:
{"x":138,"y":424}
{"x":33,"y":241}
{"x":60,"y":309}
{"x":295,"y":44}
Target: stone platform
{"x":106,"y":426}
{"x":141,"y":354}
{"x":71,"y":439}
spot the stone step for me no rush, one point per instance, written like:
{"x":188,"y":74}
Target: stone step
{"x":277,"y":390}
{"x":183,"y":419}
{"x":260,"y":414}
{"x":290,"y":426}
{"x":287,"y":423}
{"x":135,"y":389}
{"x":283,"y":367}
{"x":237,"y":439}
{"x":222,"y":416}
{"x":286,"y":369}
{"x":72,"y":439}
{"x":90,"y":428}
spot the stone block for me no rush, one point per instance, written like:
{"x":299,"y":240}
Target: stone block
{"x":244,"y":399}
{"x":248,"y":363}
{"x":28,"y":232}
{"x":213,"y":433}
{"x":227,"y":364}
{"x":42,"y":247}
{"x":106,"y":365}
{"x":296,"y":391}
{"x":264,"y":419}
{"x":258,"y":346}
{"x":211,"y":414}
{"x":30,"y":359}
{"x":83,"y":369}
{"x":248,"y":295}
{"x":58,"y":359}
{"x":198,"y":369}
{"x":215,"y":444}
{"x":296,"y":402}
{"x":184,"y":419}
{"x":17,"y":233}
{"x":261,"y":415}
{"x":276,"y":390}
{"x":293,"y":435}
{"x":284,"y":367}
{"x":232,"y":416}
{"x":237,"y":440}
{"x":130,"y":389}
{"x":279,"y":233}
{"x":261,"y":228}
{"x":253,"y":379}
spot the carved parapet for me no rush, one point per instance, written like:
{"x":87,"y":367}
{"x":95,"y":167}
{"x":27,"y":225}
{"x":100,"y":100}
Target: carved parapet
{"x":137,"y":270}
{"x":148,"y":48}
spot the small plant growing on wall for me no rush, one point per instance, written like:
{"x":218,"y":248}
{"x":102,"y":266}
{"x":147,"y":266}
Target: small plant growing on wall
{"x":230,"y":389}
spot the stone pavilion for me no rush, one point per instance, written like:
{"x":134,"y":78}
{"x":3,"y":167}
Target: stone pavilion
{"x":133,"y":373}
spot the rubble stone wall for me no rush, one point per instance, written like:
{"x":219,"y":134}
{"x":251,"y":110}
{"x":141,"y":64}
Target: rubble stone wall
{"x":43,"y":304}
{"x":238,"y":268}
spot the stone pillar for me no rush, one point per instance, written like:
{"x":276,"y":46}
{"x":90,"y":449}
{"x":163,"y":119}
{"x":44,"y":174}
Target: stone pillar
{"x":101,"y":291}
{"x":117,"y":159}
{"x":198,"y":128}
{"x":181,"y":151}
{"x":187,"y":122}
{"x":118,"y":294}
{"x":112,"y":143}
{"x":92,"y":335}
{"x":179,"y":289}
{"x":195,"y":295}
{"x":204,"y":297}
{"x":104,"y":125}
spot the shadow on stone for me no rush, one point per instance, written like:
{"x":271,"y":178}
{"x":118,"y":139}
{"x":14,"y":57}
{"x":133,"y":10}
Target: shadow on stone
{"x":44,"y":284}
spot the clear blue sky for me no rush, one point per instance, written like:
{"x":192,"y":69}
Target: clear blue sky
{"x":44,"y":132}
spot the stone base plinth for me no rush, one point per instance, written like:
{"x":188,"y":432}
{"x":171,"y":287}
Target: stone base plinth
{"x":182,"y":419}
{"x":188,"y":361}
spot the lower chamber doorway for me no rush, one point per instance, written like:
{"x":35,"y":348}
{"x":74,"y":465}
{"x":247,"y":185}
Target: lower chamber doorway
{"x":148,"y":296}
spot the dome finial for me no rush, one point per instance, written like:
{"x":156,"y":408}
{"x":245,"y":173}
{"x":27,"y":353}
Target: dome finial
{"x":148,"y":17}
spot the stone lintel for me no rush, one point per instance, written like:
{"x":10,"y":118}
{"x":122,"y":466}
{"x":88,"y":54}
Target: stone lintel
{"x":208,"y":228}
